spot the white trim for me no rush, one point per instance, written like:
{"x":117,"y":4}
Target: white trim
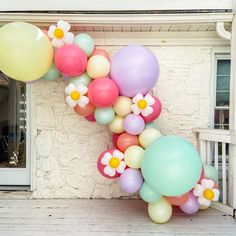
{"x":113,"y":5}
{"x":223,"y":208}
{"x":221,"y":31}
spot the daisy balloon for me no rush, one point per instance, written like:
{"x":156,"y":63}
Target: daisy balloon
{"x":142,"y":104}
{"x":205,"y":192}
{"x":75,"y":95}
{"x":60,"y":34}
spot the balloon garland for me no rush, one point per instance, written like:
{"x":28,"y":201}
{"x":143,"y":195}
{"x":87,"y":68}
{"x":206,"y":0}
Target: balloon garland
{"x":166,"y":170}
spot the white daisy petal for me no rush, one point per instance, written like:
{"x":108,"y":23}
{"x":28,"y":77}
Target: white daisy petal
{"x":138,"y":97}
{"x":70,"y":102}
{"x":57,"y":43}
{"x":147,"y":111}
{"x":69,"y":38}
{"x":109,"y":171}
{"x":207,"y":183}
{"x":118,"y":154}
{"x":83,"y":101}
{"x":198,"y":190}
{"x":106,"y":158}
{"x":82,"y":89}
{"x":216,"y":194}
{"x":150,"y":100}
{"x":70,"y":88}
{"x":121,"y":167}
{"x":135,"y":109}
{"x":65,"y":26}
{"x":51,"y":31}
{"x":203,"y":201}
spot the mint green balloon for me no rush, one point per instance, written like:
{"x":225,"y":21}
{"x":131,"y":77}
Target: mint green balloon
{"x":147,"y":193}
{"x":82,"y":79}
{"x":210,"y":172}
{"x":171,"y":166}
{"x":104,"y":116}
{"x":85,"y":42}
{"x":52,"y":74}
{"x":151,"y":125}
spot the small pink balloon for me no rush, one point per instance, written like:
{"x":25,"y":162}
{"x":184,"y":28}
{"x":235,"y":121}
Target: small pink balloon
{"x":157,"y":107}
{"x":70,"y":60}
{"x":202,"y":176}
{"x":90,"y":118}
{"x":115,"y":139}
{"x":101,"y":52}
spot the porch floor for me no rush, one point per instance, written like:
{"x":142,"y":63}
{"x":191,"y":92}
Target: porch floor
{"x":103,"y":217}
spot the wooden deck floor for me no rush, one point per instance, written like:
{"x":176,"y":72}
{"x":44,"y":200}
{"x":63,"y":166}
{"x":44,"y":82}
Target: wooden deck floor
{"x":101,"y":218}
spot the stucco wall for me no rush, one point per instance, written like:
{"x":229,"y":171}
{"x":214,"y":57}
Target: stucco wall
{"x":67,"y":146}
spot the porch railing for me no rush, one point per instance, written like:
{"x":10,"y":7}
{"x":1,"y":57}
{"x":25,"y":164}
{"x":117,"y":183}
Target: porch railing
{"x":214,"y":148}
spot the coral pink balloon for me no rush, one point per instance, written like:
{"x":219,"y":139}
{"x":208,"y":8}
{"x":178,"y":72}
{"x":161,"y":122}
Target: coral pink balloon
{"x":101,"y":167}
{"x":86,"y":110}
{"x":114,"y":139}
{"x":126,"y":140}
{"x":202,"y":176}
{"x":179,"y":200}
{"x":101,"y":52}
{"x":157,"y":107}
{"x":103,"y":92}
{"x":70,"y":60}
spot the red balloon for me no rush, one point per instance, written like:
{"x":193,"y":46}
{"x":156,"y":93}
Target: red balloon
{"x":179,"y":200}
{"x":101,"y":52}
{"x":114,"y":139}
{"x":70,"y":60}
{"x":157,"y":107}
{"x":103,"y":92}
{"x":90,"y":118}
{"x":126,"y":140}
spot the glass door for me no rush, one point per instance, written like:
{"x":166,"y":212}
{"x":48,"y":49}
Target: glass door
{"x":14,"y":164}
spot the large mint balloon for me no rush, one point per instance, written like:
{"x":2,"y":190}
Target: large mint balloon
{"x":135,"y":69}
{"x":171,"y":166}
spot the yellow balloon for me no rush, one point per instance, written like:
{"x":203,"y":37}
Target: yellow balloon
{"x":160,"y":211}
{"x":122,"y":106}
{"x":98,"y":66}
{"x":26,"y":53}
{"x":116,"y":126}
{"x":202,"y":207}
{"x":133,"y":155}
{"x":148,"y":136}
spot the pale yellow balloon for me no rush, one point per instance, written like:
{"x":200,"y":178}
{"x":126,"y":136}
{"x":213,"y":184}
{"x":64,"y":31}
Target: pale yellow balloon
{"x":26,"y":52}
{"x":122,"y":106}
{"x":203,"y":207}
{"x":148,"y":136}
{"x":133,"y":156}
{"x":98,"y":66}
{"x":116,"y":126}
{"x":160,"y":211}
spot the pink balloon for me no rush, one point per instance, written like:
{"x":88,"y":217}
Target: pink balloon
{"x":103,"y":92}
{"x":157,"y":107}
{"x":101,"y":52}
{"x":90,"y":118}
{"x":202,"y":176}
{"x":70,"y":60}
{"x":115,"y":139}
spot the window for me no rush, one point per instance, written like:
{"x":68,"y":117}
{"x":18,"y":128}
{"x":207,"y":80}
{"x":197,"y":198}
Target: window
{"x":222,"y":94}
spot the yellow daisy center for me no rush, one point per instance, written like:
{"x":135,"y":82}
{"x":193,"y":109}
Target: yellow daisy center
{"x":142,"y":104}
{"x":75,"y":95}
{"x":208,"y":194}
{"x":114,"y":162}
{"x":58,"y":33}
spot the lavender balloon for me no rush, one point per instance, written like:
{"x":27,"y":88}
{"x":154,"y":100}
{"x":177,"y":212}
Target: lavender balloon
{"x":135,"y":69}
{"x":191,"y":206}
{"x":131,"y":180}
{"x":133,"y":124}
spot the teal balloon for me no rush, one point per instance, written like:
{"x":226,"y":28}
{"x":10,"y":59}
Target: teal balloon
{"x":52,"y":74}
{"x":210,"y":172}
{"x":82,"y":79}
{"x":151,"y":125}
{"x":147,"y":193}
{"x":104,"y":116}
{"x":85,"y":42}
{"x":171,"y":166}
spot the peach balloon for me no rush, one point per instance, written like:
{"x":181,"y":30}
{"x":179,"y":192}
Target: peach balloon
{"x":85,"y":111}
{"x":126,"y":140}
{"x":179,"y":200}
{"x":101,"y":52}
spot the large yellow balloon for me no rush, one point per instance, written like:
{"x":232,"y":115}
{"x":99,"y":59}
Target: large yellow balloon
{"x":26,"y":52}
{"x":148,"y":136}
{"x":133,"y":155}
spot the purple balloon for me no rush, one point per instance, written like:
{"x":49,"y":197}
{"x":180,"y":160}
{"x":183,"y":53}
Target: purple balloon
{"x":133,"y":124}
{"x":191,"y":206}
{"x":131,"y":180}
{"x":135,"y":69}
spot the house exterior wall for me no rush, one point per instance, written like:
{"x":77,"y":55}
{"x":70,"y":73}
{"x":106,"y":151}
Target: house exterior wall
{"x":67,"y":146}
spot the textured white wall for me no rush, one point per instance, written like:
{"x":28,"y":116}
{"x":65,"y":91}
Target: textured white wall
{"x":67,"y":146}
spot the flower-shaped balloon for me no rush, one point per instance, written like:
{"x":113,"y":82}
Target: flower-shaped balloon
{"x":113,"y":162}
{"x":60,"y":34}
{"x":142,"y":104}
{"x":205,"y":192}
{"x":75,"y":95}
